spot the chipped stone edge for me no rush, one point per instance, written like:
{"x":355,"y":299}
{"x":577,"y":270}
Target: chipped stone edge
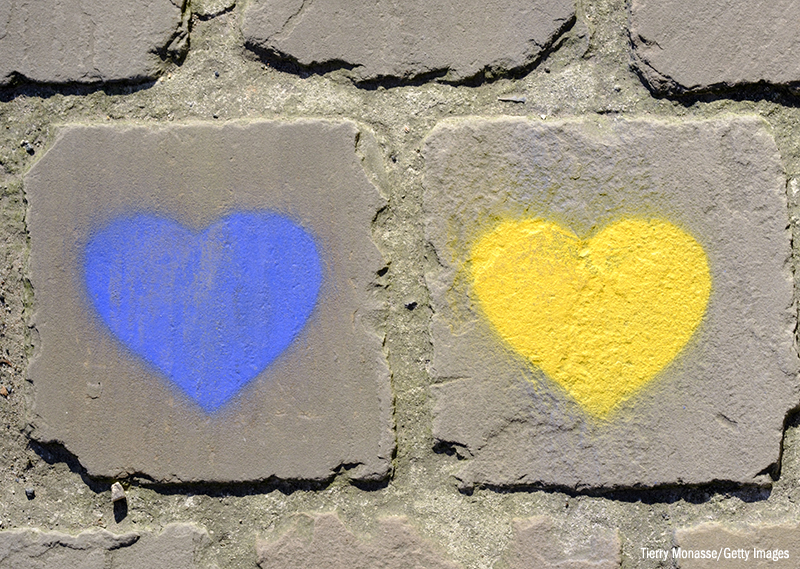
{"x":662,"y":85}
{"x":489,"y":71}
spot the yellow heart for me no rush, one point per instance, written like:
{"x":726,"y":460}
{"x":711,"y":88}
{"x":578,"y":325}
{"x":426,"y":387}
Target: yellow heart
{"x":601,"y":317}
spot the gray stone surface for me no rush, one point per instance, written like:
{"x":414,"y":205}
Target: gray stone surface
{"x":321,"y":404}
{"x":538,"y":544}
{"x":717,"y":411}
{"x":744,"y":547}
{"x":404,"y":40}
{"x":87,"y":41}
{"x":679,"y":47}
{"x":323,"y":541}
{"x":178,"y":546}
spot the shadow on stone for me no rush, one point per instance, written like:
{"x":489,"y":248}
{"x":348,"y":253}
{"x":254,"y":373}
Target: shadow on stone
{"x":284,"y":486}
{"x":120,"y":510}
{"x":53,"y":453}
{"x":787,"y":95}
{"x":241,"y":489}
{"x":21,"y":86}
{"x":289,"y":64}
{"x":658,"y":495}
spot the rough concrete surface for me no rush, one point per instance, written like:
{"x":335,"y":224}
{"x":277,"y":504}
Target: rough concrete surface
{"x":754,"y":546}
{"x":301,"y":386}
{"x":90,"y":41}
{"x":177,"y":546}
{"x":407,"y":39}
{"x":538,"y":544}
{"x":680,"y":47}
{"x":211,"y":8}
{"x":724,"y":395}
{"x":585,"y":74}
{"x":324,"y":541}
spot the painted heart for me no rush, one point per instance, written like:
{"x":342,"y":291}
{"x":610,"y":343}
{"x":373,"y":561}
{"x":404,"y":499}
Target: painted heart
{"x":211,"y":310}
{"x":601,"y":317}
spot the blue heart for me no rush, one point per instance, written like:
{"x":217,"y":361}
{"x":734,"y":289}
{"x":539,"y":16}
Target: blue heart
{"x":211,"y":310}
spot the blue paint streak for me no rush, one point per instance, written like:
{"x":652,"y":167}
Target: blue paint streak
{"x":211,"y":310}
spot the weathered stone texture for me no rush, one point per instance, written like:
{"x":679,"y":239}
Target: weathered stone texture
{"x":538,"y":544}
{"x":681,"y":47}
{"x":716,"y":411}
{"x":392,"y":39}
{"x":323,"y":541}
{"x":86,"y":41}
{"x":211,"y":8}
{"x":750,"y":547}
{"x":177,"y":547}
{"x":205,"y":402}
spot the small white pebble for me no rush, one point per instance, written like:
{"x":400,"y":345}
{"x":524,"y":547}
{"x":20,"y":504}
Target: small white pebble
{"x":117,"y":493}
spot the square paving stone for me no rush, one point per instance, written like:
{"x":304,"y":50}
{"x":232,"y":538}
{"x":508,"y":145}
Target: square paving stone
{"x":612,"y":301}
{"x":204,"y":302}
{"x":719,"y":44}
{"x":404,"y":40}
{"x":87,"y":41}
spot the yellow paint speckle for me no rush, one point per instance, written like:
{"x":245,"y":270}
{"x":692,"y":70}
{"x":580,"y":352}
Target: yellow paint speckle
{"x":601,"y":317}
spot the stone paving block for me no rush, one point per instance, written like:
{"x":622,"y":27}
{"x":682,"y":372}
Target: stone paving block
{"x":751,"y":547}
{"x":86,"y":41}
{"x":392,"y":39}
{"x":538,"y":544}
{"x":323,"y":541}
{"x":680,"y":47}
{"x":612,"y":301}
{"x":176,"y":547}
{"x":204,"y":302}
